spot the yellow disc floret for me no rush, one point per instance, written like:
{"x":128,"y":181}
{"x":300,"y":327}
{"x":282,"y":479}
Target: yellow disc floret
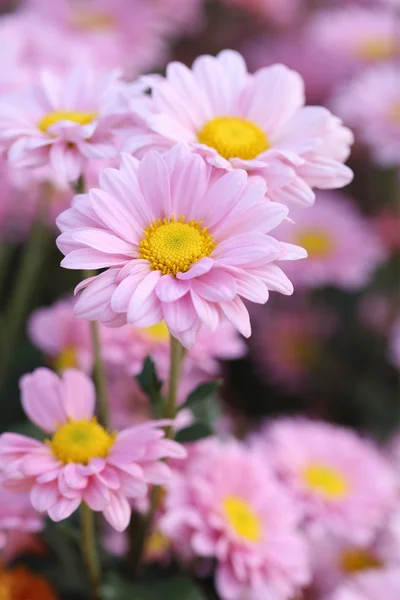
{"x":82,"y":118}
{"x":66,"y":359}
{"x":354,"y":560}
{"x":317,"y":243}
{"x":234,"y":137}
{"x":80,"y":441}
{"x":157,"y":333}
{"x":326,"y":481}
{"x":174,"y":246}
{"x":242,"y":518}
{"x":377,"y":48}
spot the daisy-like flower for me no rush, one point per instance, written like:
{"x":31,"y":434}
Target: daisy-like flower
{"x":62,"y":122}
{"x":226,"y":505}
{"x":81,"y":461}
{"x":180,"y":242}
{"x":342,"y":483}
{"x":371,"y":586}
{"x":354,"y":36}
{"x":343,"y":247}
{"x":236,"y":120}
{"x":371,"y":104}
{"x":18,"y":520}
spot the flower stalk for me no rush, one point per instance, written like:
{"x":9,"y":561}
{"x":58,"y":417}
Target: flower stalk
{"x":89,"y":549}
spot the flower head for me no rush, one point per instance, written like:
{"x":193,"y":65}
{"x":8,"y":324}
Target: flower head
{"x":341,"y":481}
{"x":235,"y":121}
{"x":62,"y":122}
{"x":226,"y":505}
{"x":81,"y":461}
{"x":371,"y":104}
{"x":343,"y":247}
{"x":180,"y":242}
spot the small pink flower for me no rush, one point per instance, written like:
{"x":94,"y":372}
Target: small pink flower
{"x":62,"y":122}
{"x":236,"y":120}
{"x":180,"y":243}
{"x":226,"y":505}
{"x":354,"y":36}
{"x":18,"y":519}
{"x":341,"y":482}
{"x":374,"y":585}
{"x":371,"y":104}
{"x":343,"y":247}
{"x":81,"y":462}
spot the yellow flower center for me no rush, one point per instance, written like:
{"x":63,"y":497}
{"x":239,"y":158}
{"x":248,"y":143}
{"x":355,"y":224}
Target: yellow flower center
{"x":377,"y":48}
{"x":157,"y":333}
{"x":358,"y":559}
{"x":326,"y":481}
{"x":234,"y":137}
{"x":92,"y":20}
{"x":242,"y":518}
{"x":156,"y":545}
{"x":82,"y":118}
{"x":174,"y":246}
{"x":317,"y":243}
{"x":66,"y":359}
{"x":80,"y":441}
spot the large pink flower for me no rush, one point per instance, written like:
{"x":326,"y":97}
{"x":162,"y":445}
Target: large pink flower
{"x":181,"y":243}
{"x":62,"y":122}
{"x":241,"y":121}
{"x":341,"y":482}
{"x":371,"y":104}
{"x":343,"y":246}
{"x":225,"y":504}
{"x":82,"y":462}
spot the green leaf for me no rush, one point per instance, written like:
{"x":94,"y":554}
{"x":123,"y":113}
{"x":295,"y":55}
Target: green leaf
{"x":193,"y":433}
{"x":176,"y":588}
{"x":205,"y":390}
{"x":151,"y":385}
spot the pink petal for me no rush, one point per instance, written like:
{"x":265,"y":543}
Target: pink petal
{"x":42,"y":400}
{"x":179,"y":315}
{"x":63,"y":508}
{"x":200,"y":268}
{"x":205,"y":310}
{"x":118,"y":511}
{"x":170,"y":289}
{"x":79,"y":395}
{"x":96,"y":495}
{"x":216,"y":285}
{"x":44,"y":496}
{"x":237,"y":314}
{"x":143,"y":292}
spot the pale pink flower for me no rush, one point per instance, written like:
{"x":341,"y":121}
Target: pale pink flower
{"x":287,"y":342}
{"x":343,"y":247}
{"x":281,"y":12}
{"x":226,"y":505}
{"x":62,"y":122}
{"x":371,"y":104}
{"x":374,"y":585}
{"x":236,"y":120}
{"x":354,"y":36}
{"x":394,"y":343}
{"x":180,"y":244}
{"x":341,"y":482}
{"x":82,"y":462}
{"x":18,"y":521}
{"x":108,"y":34}
{"x":335,"y":561}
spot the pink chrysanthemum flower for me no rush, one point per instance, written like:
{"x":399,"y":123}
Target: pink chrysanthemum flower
{"x":371,"y":104}
{"x":108,"y":34}
{"x":62,"y":122}
{"x":287,"y":342}
{"x":82,"y":461}
{"x":371,"y":586}
{"x":341,"y":482}
{"x":236,"y":120}
{"x":354,"y":36}
{"x":180,"y":243}
{"x":343,"y":248}
{"x":18,"y":520}
{"x":335,"y":561}
{"x":226,"y":505}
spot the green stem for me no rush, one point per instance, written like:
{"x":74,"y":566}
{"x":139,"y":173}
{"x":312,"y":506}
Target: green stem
{"x":99,"y":375}
{"x":177,"y":353}
{"x":24,"y":287}
{"x":89,"y":549}
{"x":6,"y":251}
